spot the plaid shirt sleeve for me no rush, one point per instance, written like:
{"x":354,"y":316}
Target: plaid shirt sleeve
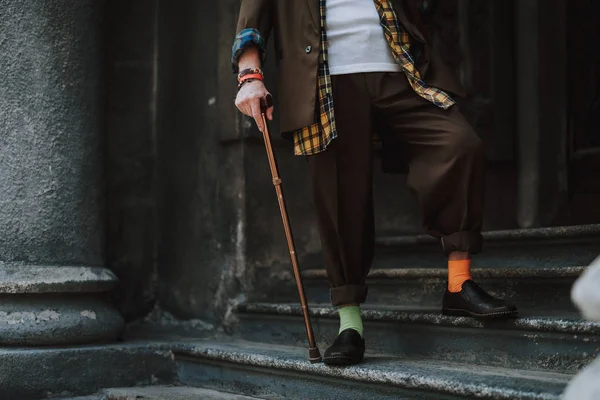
{"x":244,"y":39}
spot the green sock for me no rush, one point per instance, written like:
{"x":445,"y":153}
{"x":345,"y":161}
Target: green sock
{"x":350,"y":319}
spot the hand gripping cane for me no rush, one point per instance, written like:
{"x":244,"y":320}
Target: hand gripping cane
{"x":313,"y":351}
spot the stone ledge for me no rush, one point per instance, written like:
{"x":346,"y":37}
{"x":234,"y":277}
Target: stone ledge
{"x":51,"y":319}
{"x":17,"y":278}
{"x":530,"y":324}
{"x":169,"y":393}
{"x":388,"y":373}
{"x":39,"y":373}
{"x":442,"y":273}
{"x":93,"y":397}
{"x":550,"y":233}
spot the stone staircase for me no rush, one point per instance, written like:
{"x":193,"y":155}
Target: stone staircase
{"x":413,"y":351}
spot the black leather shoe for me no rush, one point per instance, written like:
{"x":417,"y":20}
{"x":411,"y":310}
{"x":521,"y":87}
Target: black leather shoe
{"x":348,"y":348}
{"x":473,"y":301}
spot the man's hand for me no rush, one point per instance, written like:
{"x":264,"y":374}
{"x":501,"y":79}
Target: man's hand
{"x":248,"y":102}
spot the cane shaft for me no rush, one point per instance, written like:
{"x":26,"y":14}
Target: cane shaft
{"x":290,"y":240}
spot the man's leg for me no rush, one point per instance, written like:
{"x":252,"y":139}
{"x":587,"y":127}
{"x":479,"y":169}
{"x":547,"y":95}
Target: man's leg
{"x":447,"y":165}
{"x":342,"y":179}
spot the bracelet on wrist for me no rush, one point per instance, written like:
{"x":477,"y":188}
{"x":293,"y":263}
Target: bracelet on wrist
{"x":250,"y":71}
{"x":250,"y":76}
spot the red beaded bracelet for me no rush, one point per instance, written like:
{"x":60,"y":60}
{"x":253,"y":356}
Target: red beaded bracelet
{"x":250,"y":76}
{"x":250,"y":71}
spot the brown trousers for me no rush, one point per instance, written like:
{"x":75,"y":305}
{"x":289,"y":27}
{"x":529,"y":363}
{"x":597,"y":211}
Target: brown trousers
{"x":446,"y":163}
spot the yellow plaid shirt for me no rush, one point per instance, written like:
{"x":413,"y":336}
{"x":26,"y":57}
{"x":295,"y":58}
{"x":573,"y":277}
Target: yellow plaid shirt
{"x":316,"y":137}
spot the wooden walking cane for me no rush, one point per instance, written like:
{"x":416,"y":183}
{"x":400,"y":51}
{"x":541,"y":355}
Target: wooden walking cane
{"x":313,"y":351}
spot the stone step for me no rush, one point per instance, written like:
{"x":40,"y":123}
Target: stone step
{"x":545,"y":290}
{"x":163,"y":393}
{"x":562,"y":345}
{"x":38,"y":373}
{"x":275,"y":372}
{"x":539,"y":247}
{"x":91,"y":397}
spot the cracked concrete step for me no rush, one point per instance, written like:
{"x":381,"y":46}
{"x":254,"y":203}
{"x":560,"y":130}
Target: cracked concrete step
{"x":541,"y":343}
{"x":543,"y":289}
{"x":38,"y":373}
{"x":164,"y":393}
{"x":274,"y":372}
{"x":93,"y":397}
{"x":526,"y":235}
{"x":540,"y":247}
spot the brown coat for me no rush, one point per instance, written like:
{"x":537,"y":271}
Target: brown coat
{"x":295,"y":26}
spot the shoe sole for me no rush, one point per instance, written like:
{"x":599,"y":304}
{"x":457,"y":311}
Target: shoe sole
{"x":341,"y":361}
{"x":465,"y":313}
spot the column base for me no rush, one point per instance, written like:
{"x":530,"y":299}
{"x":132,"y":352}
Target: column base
{"x":54,"y":305}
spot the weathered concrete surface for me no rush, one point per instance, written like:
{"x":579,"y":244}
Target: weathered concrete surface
{"x":555,"y":233}
{"x":55,"y":319}
{"x":45,"y":305}
{"x":429,"y":317}
{"x":529,"y":343}
{"x":24,"y":278}
{"x":201,"y":187}
{"x":545,"y":290}
{"x":170,"y":393}
{"x":51,"y":121}
{"x":33,"y":374}
{"x":131,"y":90}
{"x":267,"y":370}
{"x":52,"y":202}
{"x":162,"y":323}
{"x":543,"y":247}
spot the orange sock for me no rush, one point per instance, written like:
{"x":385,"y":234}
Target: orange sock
{"x":459,"y":271}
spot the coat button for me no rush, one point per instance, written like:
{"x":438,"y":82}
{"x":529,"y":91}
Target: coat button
{"x":308,"y":49}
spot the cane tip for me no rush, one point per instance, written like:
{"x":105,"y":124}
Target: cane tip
{"x":314,"y":355}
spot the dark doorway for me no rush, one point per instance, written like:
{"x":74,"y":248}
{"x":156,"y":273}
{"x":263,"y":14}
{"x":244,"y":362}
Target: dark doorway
{"x":583,"y":36}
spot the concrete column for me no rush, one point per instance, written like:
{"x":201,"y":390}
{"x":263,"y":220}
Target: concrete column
{"x":52,"y":222}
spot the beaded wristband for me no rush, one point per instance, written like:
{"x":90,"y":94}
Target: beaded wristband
{"x":250,"y":71}
{"x":250,"y":76}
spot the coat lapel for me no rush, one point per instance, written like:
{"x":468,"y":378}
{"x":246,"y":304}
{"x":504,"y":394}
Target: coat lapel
{"x":314,"y":12}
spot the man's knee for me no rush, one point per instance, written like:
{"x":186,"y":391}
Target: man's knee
{"x":466,"y":143}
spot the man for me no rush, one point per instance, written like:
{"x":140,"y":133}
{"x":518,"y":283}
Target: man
{"x":347,"y":68}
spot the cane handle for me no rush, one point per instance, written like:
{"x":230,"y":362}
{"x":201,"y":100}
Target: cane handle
{"x":266,"y":103}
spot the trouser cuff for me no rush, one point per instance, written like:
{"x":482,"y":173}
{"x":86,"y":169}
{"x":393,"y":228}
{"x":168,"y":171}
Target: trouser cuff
{"x":348,"y":294}
{"x":462,"y":241}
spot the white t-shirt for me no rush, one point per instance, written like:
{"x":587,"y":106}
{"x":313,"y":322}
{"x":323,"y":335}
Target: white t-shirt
{"x":356,"y":42}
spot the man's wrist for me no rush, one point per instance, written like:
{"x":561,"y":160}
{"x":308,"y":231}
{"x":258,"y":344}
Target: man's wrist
{"x":249,"y":59}
{"x":250,"y":72}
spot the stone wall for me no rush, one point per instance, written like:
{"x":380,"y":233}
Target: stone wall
{"x":201,"y":185}
{"x":131,"y":88}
